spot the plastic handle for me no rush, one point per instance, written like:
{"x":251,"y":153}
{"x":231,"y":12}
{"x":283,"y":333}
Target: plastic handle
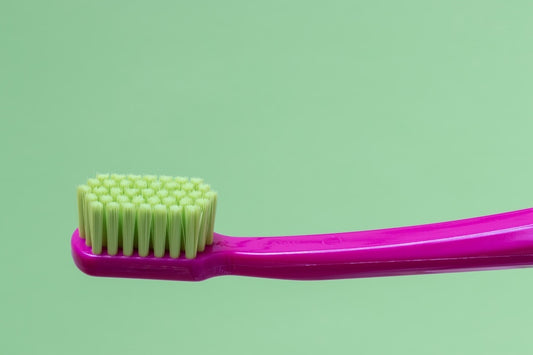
{"x":490,"y":242}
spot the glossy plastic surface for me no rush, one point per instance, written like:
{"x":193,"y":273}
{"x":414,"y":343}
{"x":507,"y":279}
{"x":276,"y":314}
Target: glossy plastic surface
{"x":491,"y":242}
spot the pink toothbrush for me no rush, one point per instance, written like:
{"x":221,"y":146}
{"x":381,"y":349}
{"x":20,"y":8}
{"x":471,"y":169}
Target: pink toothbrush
{"x":491,"y":242}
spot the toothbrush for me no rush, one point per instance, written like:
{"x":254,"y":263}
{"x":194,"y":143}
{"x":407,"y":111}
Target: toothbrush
{"x":102,"y":245}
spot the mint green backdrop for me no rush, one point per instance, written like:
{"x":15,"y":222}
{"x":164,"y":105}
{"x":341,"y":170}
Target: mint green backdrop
{"x":307,"y":117}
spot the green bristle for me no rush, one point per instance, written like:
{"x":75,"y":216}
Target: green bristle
{"x":191,"y":223}
{"x":115,"y":191}
{"x":134,"y":177}
{"x":181,"y":180}
{"x":109,"y":183}
{"x":144,"y":226}
{"x":162,"y":193}
{"x":154,"y":200}
{"x":147,"y":193}
{"x":96,"y":222}
{"x":164,"y":179}
{"x":187,"y":187}
{"x":204,"y":188}
{"x":122,"y":199}
{"x":212,"y":197}
{"x":141,"y":184}
{"x":112,"y":227}
{"x":89,"y":198}
{"x":175,"y":216}
{"x":178,"y":194}
{"x":149,"y":178}
{"x":82,"y":191}
{"x":169,"y":201}
{"x":196,"y":181}
{"x":156,"y":185}
{"x":93,"y":183}
{"x":137,"y":200}
{"x":202,"y":233}
{"x":131,"y":193}
{"x":102,"y":177}
{"x":160,"y":229}
{"x":171,"y":186}
{"x":105,"y":199}
{"x":101,"y":190}
{"x":128,"y":227}
{"x":125,"y":184}
{"x":117,"y":177}
{"x":186,"y":201}
{"x":195,"y":195}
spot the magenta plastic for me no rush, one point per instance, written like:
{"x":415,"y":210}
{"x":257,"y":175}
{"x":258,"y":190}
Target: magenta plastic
{"x":491,"y":242}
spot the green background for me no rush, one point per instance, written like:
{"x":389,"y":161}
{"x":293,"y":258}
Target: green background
{"x":307,"y":117}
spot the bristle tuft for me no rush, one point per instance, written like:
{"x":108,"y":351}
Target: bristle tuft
{"x":196,"y":181}
{"x":164,"y":179}
{"x":101,"y":190}
{"x":112,"y":210}
{"x":154,"y":200}
{"x":175,"y":216}
{"x":162,"y":193}
{"x":181,"y":180}
{"x":195,"y":195}
{"x":122,"y":199}
{"x":96,"y":222}
{"x":149,"y":178}
{"x":109,"y":183}
{"x":131,"y":193}
{"x":83,"y":190}
{"x":117,"y":177}
{"x":191,"y":224}
{"x":186,"y":201}
{"x":147,"y":193}
{"x":188,"y":187}
{"x":125,"y":184}
{"x":171,"y":186}
{"x":144,"y":225}
{"x":160,"y":229}
{"x":141,"y":184}
{"x":137,"y":200}
{"x":169,"y":201}
{"x":128,"y":227}
{"x":105,"y":199}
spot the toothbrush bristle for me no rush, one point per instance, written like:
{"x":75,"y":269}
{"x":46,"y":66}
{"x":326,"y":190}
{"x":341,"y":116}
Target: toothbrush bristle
{"x":146,"y":214}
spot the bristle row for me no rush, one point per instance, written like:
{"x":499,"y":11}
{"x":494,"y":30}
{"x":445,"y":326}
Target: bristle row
{"x":147,"y":214}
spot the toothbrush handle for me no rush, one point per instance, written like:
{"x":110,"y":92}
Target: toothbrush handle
{"x":491,"y":242}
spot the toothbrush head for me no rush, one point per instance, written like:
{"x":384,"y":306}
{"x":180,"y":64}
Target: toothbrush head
{"x":146,"y":216}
